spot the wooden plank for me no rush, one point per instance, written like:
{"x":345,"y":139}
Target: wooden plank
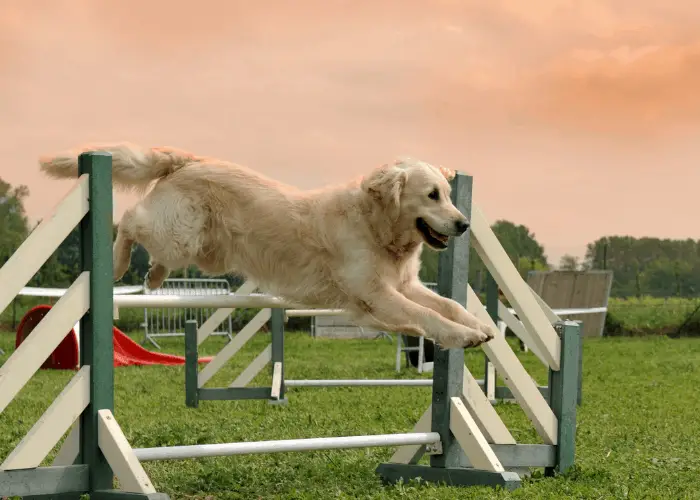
{"x":448,"y":364}
{"x":563,"y":393}
{"x":124,"y":495}
{"x":49,"y":481}
{"x":70,"y":448}
{"x":522,"y":455}
{"x":516,"y":377}
{"x":551,"y":315}
{"x":485,"y":415}
{"x":276,"y":380}
{"x":234,"y":393}
{"x":52,"y":425}
{"x":411,"y":454}
{"x":96,"y":337}
{"x":514,"y":288}
{"x":471,"y":439}
{"x":191,"y":364}
{"x":520,"y":331}
{"x":450,"y":476}
{"x":47,"y":335}
{"x":234,"y":346}
{"x":277,"y":355}
{"x":220,"y":315}
{"x":121,"y":458}
{"x":42,"y":242}
{"x":253,"y":368}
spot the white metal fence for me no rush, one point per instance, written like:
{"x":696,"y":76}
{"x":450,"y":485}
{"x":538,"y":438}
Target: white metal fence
{"x":170,"y":322}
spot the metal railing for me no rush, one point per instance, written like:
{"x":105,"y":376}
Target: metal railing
{"x":170,"y":322}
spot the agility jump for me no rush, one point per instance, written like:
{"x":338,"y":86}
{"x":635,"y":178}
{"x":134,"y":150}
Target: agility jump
{"x":467,"y":441}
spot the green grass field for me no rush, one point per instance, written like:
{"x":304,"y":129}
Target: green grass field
{"x":638,"y":433}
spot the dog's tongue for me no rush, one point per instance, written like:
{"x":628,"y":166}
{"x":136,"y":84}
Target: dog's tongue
{"x":437,"y":236}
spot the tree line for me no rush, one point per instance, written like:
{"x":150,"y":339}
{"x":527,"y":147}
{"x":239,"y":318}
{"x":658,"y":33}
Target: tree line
{"x":641,"y":266}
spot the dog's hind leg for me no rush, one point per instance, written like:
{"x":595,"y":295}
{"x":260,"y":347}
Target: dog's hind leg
{"x":156,"y":275}
{"x":122,"y":253}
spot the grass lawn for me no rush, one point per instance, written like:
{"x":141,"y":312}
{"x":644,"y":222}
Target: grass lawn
{"x":638,"y":434}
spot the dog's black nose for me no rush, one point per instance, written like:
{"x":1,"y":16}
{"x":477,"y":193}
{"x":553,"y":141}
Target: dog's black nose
{"x":461,"y":226}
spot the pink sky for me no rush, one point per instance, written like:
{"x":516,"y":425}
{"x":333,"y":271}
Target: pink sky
{"x":577,"y":119}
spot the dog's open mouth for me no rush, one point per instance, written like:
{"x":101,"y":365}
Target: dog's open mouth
{"x":432,"y":237}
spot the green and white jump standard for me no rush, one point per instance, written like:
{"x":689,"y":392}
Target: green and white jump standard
{"x":465,"y":437}
{"x":95,"y":450}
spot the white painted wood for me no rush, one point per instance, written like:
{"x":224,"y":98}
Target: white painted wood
{"x":253,"y":368}
{"x":483,"y":412}
{"x":52,"y":425}
{"x":208,"y":327}
{"x":517,"y":291}
{"x":39,"y":345}
{"x":120,"y":457}
{"x":310,"y":313}
{"x":470,"y":438}
{"x":70,"y":448}
{"x":42,"y":242}
{"x":515,"y":376}
{"x":276,"y":380}
{"x":411,"y":454}
{"x":490,"y":381}
{"x":551,"y":315}
{"x":233,"y":347}
{"x":485,"y":415}
{"x":520,"y":331}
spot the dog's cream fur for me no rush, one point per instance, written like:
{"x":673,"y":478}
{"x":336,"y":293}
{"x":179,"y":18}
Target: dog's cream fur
{"x":355,"y":247}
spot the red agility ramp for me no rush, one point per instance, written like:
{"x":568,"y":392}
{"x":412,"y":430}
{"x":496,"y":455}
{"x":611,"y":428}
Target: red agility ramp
{"x":67,"y":355}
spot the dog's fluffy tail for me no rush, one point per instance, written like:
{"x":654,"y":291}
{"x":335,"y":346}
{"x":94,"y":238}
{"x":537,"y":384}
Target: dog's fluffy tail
{"x":133,"y":167}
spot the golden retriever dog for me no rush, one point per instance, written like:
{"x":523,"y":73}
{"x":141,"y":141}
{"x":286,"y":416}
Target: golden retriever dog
{"x":354,"y":247}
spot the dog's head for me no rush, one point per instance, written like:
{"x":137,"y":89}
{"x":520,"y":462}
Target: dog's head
{"x":415,"y":197}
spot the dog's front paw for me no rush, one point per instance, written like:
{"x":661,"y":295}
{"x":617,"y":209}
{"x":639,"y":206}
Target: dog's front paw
{"x":467,"y":338}
{"x":488,"y":330}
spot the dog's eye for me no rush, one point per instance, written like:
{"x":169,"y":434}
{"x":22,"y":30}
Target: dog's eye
{"x":434,"y":195}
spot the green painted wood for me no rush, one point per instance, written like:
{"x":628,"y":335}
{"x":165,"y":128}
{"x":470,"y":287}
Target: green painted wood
{"x":451,"y":476}
{"x":277,"y":354}
{"x":234,"y":393}
{"x":124,"y":495}
{"x":492,"y":309}
{"x":522,"y":455}
{"x":191,"y":364}
{"x":564,"y":395}
{"x":96,"y":339}
{"x":504,"y":393}
{"x":55,"y":496}
{"x":579,"y":396}
{"x":448,"y":368}
{"x":43,"y":481}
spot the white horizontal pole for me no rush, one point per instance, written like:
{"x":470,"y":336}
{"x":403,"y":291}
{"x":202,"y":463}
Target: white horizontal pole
{"x":359,"y":382}
{"x":286,"y":445}
{"x":208,"y":301}
{"x":304,"y":313}
{"x":564,"y":312}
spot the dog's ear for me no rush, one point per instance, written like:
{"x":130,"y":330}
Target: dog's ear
{"x":385,"y":185}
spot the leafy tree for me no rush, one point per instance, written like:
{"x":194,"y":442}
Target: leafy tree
{"x":13,"y":219}
{"x":569,"y":263}
{"x":648,"y":266}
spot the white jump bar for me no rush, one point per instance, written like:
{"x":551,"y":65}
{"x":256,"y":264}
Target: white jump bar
{"x":305,"y":313}
{"x":287,"y":445}
{"x":359,"y":382}
{"x":210,"y":301}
